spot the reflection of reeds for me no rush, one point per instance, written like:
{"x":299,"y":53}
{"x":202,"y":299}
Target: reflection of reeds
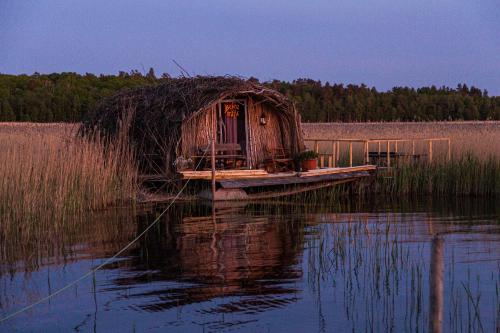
{"x":378,"y":265}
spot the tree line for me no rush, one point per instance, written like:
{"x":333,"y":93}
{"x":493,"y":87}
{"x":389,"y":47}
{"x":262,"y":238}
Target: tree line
{"x":67,"y":97}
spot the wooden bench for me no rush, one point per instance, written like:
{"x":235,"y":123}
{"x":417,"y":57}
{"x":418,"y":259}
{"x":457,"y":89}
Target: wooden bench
{"x":226,"y":154}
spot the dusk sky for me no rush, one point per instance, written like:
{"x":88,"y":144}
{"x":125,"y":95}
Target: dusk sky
{"x":380,"y":43}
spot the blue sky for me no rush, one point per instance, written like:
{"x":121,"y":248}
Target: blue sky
{"x":380,"y":43}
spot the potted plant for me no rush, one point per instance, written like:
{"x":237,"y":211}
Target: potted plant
{"x":308,"y":160}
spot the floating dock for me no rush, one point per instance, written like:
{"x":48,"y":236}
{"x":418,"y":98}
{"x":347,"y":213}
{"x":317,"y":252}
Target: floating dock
{"x":232,"y":184}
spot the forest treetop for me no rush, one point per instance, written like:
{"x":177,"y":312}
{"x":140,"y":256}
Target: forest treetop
{"x":67,"y":97}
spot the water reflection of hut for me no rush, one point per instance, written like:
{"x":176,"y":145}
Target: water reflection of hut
{"x":233,"y":255}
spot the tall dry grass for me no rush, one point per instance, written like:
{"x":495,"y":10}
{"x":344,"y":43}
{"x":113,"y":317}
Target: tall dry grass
{"x":474,"y":169}
{"x":481,"y":138}
{"x":47,"y":172}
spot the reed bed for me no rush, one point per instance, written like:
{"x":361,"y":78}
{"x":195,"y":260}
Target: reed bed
{"x":479,"y":137}
{"x":47,"y":172}
{"x":473,"y":170}
{"x":464,"y":176}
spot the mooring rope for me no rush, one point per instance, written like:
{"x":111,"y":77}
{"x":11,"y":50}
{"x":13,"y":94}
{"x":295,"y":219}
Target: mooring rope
{"x":107,"y":261}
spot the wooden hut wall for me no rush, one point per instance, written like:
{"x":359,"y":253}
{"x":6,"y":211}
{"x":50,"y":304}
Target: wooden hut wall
{"x":265,"y":139}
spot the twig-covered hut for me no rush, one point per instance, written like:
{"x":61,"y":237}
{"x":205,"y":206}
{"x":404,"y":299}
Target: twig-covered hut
{"x":173,"y":123}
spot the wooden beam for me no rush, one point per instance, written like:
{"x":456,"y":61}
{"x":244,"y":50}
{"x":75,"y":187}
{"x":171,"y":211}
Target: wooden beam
{"x":223,"y":174}
{"x":449,"y":150}
{"x":212,"y":155}
{"x":301,"y":189}
{"x":334,"y":151}
{"x":331,"y":171}
{"x":280,"y":181}
{"x":367,"y":152}
{"x":338,"y":154}
{"x":350,"y":153}
{"x":388,"y":154}
{"x":430,"y":151}
{"x":247,"y":136}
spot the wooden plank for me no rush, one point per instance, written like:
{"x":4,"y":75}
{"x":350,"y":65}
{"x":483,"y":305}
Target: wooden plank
{"x":212,"y":157}
{"x":449,"y":150}
{"x":388,"y":154}
{"x":259,"y":182}
{"x":350,"y":154}
{"x":219,"y":174}
{"x":331,"y":171}
{"x":334,"y":154}
{"x":247,"y":136}
{"x":430,"y":151}
{"x":367,"y":151}
{"x":337,"y":155}
{"x":224,"y":147}
{"x":306,"y":188}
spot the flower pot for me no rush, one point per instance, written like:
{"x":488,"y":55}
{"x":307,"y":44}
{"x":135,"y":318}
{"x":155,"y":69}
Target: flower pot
{"x":309,"y":165}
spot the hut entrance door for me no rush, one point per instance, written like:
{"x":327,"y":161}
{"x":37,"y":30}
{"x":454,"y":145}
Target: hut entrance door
{"x":231,"y":124}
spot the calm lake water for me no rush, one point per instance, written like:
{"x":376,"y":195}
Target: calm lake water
{"x":415,"y":266}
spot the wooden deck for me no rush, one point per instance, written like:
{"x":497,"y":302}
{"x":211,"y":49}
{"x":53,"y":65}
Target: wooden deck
{"x":232,"y":183}
{"x":258,"y":175}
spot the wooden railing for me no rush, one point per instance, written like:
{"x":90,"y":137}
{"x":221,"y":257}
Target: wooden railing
{"x":386,"y":148}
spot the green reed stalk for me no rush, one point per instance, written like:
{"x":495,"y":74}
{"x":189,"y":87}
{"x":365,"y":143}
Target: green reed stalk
{"x":467,"y":175}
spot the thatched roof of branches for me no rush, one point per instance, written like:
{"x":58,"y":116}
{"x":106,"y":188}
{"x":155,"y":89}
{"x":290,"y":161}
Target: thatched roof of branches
{"x":154,"y":114}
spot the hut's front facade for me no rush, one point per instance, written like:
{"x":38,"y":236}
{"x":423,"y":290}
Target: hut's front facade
{"x":171,"y":125}
{"x":248,"y":128}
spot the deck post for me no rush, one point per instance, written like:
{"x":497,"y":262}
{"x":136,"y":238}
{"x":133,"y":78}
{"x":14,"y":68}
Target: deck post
{"x":413,"y":147}
{"x":316,"y":146}
{"x":430,"y":151}
{"x":338,"y":154}
{"x":367,"y":154}
{"x":449,"y":150}
{"x":350,"y":153}
{"x":321,"y":161}
{"x":334,"y":149}
{"x":212,"y":152}
{"x":388,"y":154}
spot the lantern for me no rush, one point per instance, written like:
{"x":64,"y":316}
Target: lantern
{"x":263,"y":120}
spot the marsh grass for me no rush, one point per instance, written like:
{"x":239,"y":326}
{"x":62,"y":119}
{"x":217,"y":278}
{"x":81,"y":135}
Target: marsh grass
{"x":48,"y":173}
{"x":480,"y":137}
{"x":467,"y":175}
